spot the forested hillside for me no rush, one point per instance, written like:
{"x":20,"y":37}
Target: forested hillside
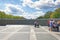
{"x":9,"y":16}
{"x":50,"y":14}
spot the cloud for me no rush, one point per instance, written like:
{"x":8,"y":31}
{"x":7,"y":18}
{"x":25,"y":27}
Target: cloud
{"x":33,"y":15}
{"x":13,"y":9}
{"x":17,"y":10}
{"x":42,"y":4}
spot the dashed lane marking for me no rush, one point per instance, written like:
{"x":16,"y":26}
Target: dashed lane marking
{"x":3,"y":29}
{"x":6,"y":38}
{"x":14,"y":32}
{"x":32,"y":34}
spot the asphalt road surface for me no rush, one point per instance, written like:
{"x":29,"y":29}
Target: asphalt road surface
{"x":27,"y":32}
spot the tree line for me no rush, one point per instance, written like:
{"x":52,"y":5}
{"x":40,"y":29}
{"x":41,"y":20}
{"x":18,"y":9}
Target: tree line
{"x":9,"y":16}
{"x":50,"y":14}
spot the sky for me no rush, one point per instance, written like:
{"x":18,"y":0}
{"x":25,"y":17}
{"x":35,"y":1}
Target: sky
{"x":30,"y":9}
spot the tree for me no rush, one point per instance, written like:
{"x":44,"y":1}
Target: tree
{"x":9,"y":16}
{"x":40,"y":17}
{"x":2,"y":15}
{"x":47,"y":15}
{"x":55,"y":14}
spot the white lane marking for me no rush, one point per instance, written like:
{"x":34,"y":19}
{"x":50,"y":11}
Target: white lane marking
{"x":7,"y":28}
{"x":41,"y":32}
{"x":3,"y":29}
{"x":29,"y":32}
{"x":14,"y":32}
{"x":10,"y":29}
{"x":44,"y":29}
{"x":52,"y":33}
{"x":8,"y":36}
{"x":32,"y":34}
{"x":17,"y":25}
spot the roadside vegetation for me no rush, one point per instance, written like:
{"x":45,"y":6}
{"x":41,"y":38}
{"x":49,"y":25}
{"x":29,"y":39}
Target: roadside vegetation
{"x":50,"y":14}
{"x":9,"y":16}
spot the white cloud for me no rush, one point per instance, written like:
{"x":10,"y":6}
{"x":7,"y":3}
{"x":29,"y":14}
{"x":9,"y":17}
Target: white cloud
{"x":9,"y":8}
{"x":41,"y":4}
{"x":33,"y":15}
{"x":25,"y":2}
{"x":19,"y":10}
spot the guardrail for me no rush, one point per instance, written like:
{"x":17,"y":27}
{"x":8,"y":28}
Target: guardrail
{"x":42,"y":22}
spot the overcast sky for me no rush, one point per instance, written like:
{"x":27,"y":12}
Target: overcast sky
{"x":28,"y":8}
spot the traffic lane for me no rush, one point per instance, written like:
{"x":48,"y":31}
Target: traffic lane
{"x":11,"y":29}
{"x":51,"y":33}
{"x":39,"y":30}
{"x":20,"y":36}
{"x":3,"y":35}
{"x":25,"y":29}
{"x":2,"y":27}
{"x":45,"y":37}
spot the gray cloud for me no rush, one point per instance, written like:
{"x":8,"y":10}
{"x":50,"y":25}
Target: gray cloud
{"x":43,"y":5}
{"x":14,"y":10}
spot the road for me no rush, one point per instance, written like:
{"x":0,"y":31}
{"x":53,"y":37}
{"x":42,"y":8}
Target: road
{"x":27,"y":32}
